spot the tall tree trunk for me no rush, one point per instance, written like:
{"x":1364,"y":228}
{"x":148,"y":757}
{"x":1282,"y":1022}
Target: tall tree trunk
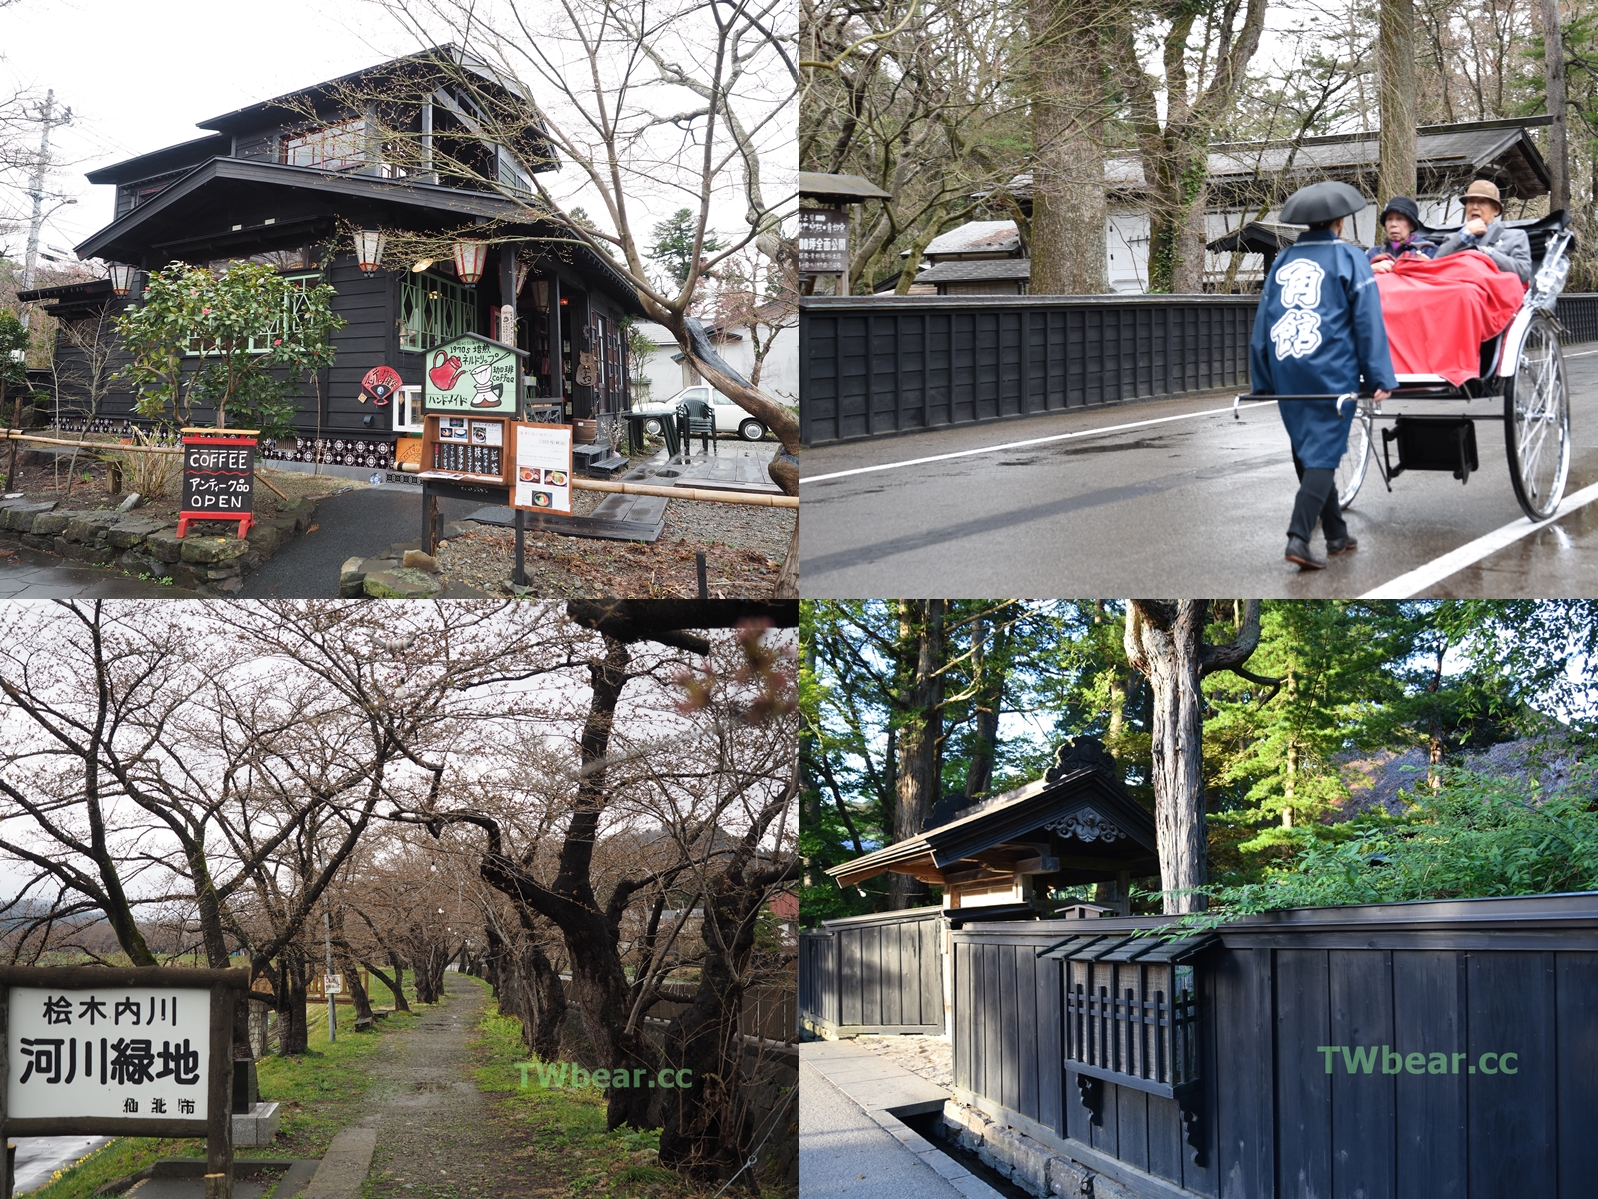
{"x":292,"y":1031}
{"x":549,"y":1004}
{"x":1165,"y":642}
{"x":1068,"y":215}
{"x":1395,"y":70}
{"x":920,"y":731}
{"x":987,"y":664}
{"x":1554,"y":81}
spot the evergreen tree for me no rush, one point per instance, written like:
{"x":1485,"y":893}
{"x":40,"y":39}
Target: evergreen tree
{"x":673,"y":250}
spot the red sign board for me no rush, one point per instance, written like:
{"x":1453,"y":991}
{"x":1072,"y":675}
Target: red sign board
{"x":218,"y":477}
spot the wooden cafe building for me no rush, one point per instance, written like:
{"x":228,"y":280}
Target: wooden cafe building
{"x":319,"y":183}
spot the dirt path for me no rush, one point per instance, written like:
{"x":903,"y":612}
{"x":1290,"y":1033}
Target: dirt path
{"x":437,"y":1135}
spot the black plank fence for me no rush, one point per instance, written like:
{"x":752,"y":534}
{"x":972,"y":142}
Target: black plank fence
{"x":874,"y":366}
{"x":873,"y":974}
{"x":1435,"y":1050}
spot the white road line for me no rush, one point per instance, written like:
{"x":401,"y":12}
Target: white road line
{"x":1016,"y":445}
{"x":1583,"y":354}
{"x":1422,"y":578}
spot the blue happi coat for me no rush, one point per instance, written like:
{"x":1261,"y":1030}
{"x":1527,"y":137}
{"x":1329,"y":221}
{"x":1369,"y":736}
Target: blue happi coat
{"x":1319,"y":331}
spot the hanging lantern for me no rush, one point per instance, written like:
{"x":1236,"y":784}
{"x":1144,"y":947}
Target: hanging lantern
{"x":369,"y":249}
{"x":541,"y":294}
{"x":469,"y":258}
{"x":521,"y":273}
{"x":122,"y":278}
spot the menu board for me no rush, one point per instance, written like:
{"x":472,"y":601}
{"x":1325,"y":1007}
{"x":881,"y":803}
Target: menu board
{"x":469,"y":447}
{"x":543,"y":468}
{"x":218,"y":475}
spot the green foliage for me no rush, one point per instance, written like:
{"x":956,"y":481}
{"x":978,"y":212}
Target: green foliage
{"x":1481,"y":835}
{"x":13,"y":337}
{"x":250,"y":347}
{"x":674,"y":244}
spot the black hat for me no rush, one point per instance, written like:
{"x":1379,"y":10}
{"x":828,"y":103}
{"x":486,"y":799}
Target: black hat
{"x":1321,"y":202}
{"x":1404,"y":207}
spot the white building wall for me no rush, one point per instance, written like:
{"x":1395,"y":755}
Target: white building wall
{"x":779,"y":376}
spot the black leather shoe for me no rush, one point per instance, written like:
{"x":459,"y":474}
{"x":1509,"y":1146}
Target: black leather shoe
{"x":1341,"y":545}
{"x":1298,"y":551}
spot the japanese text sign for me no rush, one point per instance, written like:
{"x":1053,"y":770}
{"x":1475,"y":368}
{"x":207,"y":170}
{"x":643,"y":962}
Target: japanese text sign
{"x":218,"y":476}
{"x":470,"y":374}
{"x":543,"y":468}
{"x":110,"y":1052}
{"x":823,"y":241}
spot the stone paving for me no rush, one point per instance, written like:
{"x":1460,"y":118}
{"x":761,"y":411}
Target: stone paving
{"x":930,"y":1057}
{"x":29,"y":574}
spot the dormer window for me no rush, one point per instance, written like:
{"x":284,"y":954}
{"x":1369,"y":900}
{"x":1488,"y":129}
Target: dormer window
{"x":511,"y":175}
{"x":340,"y":147}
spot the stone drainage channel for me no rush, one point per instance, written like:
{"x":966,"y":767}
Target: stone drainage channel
{"x":148,"y":546}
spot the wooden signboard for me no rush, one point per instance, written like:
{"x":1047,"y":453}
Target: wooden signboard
{"x":823,"y":241}
{"x":543,"y":468}
{"x":146,"y":1052}
{"x":472,"y":374}
{"x":466,"y":449}
{"x":218,"y":477}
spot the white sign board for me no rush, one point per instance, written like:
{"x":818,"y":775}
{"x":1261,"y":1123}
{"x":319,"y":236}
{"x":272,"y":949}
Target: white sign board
{"x":543,"y":468}
{"x":111,"y":1052}
{"x":333,"y":984}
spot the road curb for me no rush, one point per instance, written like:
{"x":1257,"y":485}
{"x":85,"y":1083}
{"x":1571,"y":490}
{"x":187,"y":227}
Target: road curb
{"x":344,"y":1166}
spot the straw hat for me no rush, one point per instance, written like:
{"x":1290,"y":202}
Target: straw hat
{"x":1484,"y":189}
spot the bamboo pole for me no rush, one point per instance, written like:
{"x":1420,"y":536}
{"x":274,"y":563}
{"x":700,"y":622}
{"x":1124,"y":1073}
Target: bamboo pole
{"x":107,"y":446}
{"x":758,"y":499}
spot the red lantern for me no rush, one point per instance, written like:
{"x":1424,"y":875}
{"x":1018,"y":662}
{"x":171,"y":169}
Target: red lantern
{"x":369,"y":249}
{"x":469,"y":259}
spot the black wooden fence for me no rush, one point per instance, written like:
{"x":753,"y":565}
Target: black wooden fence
{"x":874,"y":366}
{"x":873,"y":974}
{"x":1439,"y":1050}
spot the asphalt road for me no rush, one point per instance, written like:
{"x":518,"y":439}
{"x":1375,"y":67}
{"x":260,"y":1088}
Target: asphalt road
{"x":1188,"y":502}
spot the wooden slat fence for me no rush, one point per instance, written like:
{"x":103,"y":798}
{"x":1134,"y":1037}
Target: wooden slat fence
{"x":873,"y":974}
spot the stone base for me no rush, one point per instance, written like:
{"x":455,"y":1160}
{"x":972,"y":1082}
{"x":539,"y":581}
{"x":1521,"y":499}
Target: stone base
{"x":1029,"y":1164}
{"x":258,"y":1127}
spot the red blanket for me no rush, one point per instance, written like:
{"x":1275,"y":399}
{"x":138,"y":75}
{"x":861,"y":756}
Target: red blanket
{"x":1438,"y":311}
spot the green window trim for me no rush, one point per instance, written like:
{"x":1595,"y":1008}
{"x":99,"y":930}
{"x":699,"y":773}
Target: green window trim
{"x":293,"y":305}
{"x":434,"y":310}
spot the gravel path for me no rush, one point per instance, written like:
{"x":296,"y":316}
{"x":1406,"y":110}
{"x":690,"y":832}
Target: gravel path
{"x":930,"y":1057}
{"x":437,"y":1135}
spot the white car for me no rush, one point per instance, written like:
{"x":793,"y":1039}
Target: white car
{"x":729,"y":416}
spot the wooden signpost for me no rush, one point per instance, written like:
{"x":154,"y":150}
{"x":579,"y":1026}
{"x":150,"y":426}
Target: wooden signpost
{"x":144,"y":1051}
{"x":218,"y":477}
{"x":471,"y":396}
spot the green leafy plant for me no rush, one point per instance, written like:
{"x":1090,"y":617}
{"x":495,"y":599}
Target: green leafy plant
{"x":231,"y":342}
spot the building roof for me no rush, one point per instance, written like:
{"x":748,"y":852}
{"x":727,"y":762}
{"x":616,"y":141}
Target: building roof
{"x":1447,"y":157}
{"x":194,"y":215}
{"x":168,"y":158}
{"x":980,"y":270}
{"x":1257,"y":237}
{"x":851,"y":189}
{"x":975,"y":237}
{"x":69,"y":293}
{"x":1076,"y":799}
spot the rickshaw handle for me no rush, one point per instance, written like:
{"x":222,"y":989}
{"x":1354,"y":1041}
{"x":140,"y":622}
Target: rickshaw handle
{"x":1237,"y":401}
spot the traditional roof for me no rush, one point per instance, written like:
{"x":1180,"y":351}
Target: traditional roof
{"x":981,"y":270}
{"x":1258,"y":237}
{"x":168,"y":158}
{"x":196,"y":213}
{"x":1078,"y":801}
{"x":975,"y":237}
{"x":851,"y":189}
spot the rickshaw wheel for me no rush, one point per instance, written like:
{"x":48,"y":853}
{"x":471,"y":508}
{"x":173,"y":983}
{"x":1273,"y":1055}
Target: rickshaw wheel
{"x":1537,"y":422}
{"x":1356,"y":458}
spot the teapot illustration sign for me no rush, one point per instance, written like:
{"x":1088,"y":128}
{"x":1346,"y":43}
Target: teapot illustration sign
{"x":472,"y":373}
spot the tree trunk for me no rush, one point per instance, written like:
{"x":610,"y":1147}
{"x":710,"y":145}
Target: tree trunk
{"x":920,"y":731}
{"x":1165,"y":642}
{"x":292,"y":1031}
{"x":1395,"y":70}
{"x":395,"y":984}
{"x":549,"y":1004}
{"x":987,"y":702}
{"x":1068,"y":215}
{"x":1554,"y":82}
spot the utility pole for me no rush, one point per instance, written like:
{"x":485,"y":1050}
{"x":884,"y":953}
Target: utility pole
{"x":36,"y":189}
{"x":327,"y":981}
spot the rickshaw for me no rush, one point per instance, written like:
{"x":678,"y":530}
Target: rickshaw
{"x":1522,"y":364}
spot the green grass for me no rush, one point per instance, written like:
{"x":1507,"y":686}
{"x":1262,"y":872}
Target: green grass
{"x":320,"y":1092}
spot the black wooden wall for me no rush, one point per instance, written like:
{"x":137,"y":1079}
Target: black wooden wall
{"x":874,"y":974}
{"x":1474,"y":977}
{"x":877,"y":366}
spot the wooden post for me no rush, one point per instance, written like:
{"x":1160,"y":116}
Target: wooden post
{"x":521,"y":547}
{"x":429,"y":520}
{"x":219,"y":1098}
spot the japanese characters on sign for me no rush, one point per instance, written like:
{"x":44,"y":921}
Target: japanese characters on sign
{"x":218,"y":476}
{"x":823,"y":241}
{"x":110,"y":1052}
{"x":470,"y":374}
{"x":543,"y":468}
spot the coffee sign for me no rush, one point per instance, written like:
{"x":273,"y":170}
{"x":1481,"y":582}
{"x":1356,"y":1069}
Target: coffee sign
{"x":471,"y":374}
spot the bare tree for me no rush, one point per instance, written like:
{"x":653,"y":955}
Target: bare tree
{"x":1395,"y":69}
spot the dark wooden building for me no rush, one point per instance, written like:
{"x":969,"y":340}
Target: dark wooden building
{"x":283,"y":181}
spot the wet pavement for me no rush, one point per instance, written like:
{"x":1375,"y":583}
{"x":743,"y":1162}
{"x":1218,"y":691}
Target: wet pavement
{"x":1189,"y":501}
{"x":40,"y":1157}
{"x":28,"y":574}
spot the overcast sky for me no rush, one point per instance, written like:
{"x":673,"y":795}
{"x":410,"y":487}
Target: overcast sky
{"x":139,"y":74}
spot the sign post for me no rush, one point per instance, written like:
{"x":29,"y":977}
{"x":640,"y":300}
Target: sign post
{"x":146,"y":1051}
{"x":824,"y":244}
{"x":218,"y":477}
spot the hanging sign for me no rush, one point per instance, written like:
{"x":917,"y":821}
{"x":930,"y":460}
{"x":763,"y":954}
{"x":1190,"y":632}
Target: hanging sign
{"x":380,"y":383}
{"x":823,"y":241}
{"x":218,"y":477}
{"x":543,"y":468}
{"x":471,"y":374}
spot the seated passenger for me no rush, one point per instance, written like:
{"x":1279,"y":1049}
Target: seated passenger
{"x":1401,"y":221}
{"x":1483,"y":232}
